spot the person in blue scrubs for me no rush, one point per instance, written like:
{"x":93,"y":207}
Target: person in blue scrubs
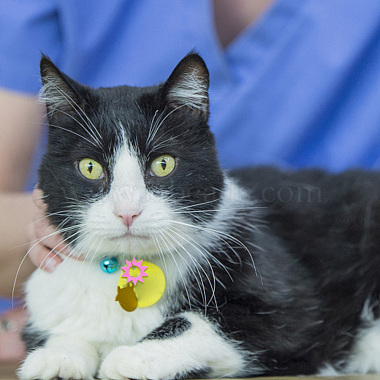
{"x":293,"y":83}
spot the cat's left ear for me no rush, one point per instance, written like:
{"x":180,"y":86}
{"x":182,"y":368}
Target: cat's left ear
{"x":59,"y":92}
{"x":187,"y":86}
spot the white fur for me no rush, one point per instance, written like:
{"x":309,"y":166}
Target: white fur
{"x":328,"y":371}
{"x":77,"y":304}
{"x":51,"y":93}
{"x":63,"y":356}
{"x":365,"y":357}
{"x":198,"y":348}
{"x":78,"y":299}
{"x":191,"y":91}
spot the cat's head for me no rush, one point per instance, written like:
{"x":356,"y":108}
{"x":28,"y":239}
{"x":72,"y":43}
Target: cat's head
{"x":128,"y":170}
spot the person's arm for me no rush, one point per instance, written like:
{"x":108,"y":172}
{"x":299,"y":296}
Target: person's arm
{"x":20,"y":128}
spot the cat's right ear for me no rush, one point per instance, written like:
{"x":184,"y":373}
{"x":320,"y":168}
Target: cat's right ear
{"x":58,"y":91}
{"x":187,"y":86}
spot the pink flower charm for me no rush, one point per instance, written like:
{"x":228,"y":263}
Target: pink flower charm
{"x":137,"y":264}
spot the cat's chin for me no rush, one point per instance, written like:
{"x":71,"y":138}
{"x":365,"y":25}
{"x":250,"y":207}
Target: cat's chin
{"x":124,"y":246}
{"x":132,"y":244}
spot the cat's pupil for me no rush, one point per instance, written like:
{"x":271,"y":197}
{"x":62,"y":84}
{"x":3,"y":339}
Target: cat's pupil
{"x":163,"y":164}
{"x":90,"y":167}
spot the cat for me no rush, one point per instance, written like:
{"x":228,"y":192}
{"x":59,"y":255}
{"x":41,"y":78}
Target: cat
{"x":265,"y":272}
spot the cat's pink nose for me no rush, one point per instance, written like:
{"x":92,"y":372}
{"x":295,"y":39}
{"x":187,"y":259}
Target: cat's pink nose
{"x":129,"y":217}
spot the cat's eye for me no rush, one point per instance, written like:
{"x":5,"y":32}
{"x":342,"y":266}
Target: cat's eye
{"x":90,"y":168}
{"x":162,"y":166}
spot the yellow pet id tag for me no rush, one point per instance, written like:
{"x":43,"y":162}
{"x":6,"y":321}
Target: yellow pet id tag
{"x":141,"y":284}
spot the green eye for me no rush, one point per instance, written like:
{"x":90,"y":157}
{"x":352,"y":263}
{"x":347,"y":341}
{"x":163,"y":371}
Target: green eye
{"x":91,"y":169}
{"x":163,"y":165}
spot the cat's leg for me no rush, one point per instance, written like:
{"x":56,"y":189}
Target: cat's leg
{"x":185,"y":345}
{"x":63,"y":357}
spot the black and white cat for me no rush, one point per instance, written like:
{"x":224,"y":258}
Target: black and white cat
{"x":267,"y":273}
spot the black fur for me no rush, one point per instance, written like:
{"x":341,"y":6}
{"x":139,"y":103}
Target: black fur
{"x":199,"y":374}
{"x":32,"y":338}
{"x":171,"y":328}
{"x":314,"y":236}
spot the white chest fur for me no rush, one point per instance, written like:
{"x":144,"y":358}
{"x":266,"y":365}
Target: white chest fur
{"x":78,"y":299}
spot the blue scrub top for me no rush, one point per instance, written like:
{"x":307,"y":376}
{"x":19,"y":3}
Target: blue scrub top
{"x":5,"y":305}
{"x":299,"y":87}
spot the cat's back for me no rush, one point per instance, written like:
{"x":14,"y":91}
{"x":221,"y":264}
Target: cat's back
{"x":311,"y":191}
{"x":271,"y":185}
{"x":329,"y":221}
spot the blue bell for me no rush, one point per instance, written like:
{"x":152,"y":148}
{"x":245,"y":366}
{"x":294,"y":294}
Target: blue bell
{"x":109,"y":265}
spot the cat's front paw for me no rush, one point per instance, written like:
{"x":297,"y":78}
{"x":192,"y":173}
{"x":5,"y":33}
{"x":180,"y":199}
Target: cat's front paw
{"x":52,"y":363}
{"x":137,"y":362}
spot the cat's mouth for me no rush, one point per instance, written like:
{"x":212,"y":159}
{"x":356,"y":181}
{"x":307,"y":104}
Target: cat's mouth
{"x":130,"y":235}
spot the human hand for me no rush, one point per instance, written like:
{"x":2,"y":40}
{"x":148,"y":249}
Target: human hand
{"x":11,"y":324}
{"x":47,"y":243}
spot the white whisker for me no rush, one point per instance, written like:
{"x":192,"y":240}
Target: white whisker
{"x":204,"y":256}
{"x":198,"y":279}
{"x":215,"y":259}
{"x":166,"y":242}
{"x":222,"y":234}
{"x":90,"y":126}
{"x":74,"y":133}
